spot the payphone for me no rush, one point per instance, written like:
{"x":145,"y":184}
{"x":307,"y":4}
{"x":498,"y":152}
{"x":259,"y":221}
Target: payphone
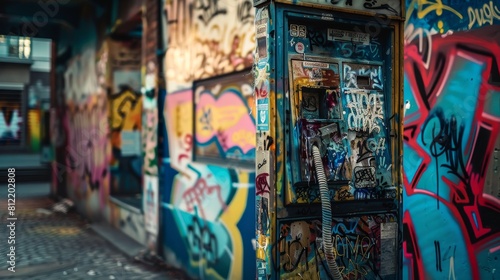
{"x":328,"y":87}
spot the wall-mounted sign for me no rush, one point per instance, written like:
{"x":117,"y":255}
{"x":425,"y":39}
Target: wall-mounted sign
{"x":131,"y":143}
{"x":349,"y":36}
{"x":263,"y":114}
{"x":314,"y":64}
{"x":224,"y":126}
{"x":261,"y":30}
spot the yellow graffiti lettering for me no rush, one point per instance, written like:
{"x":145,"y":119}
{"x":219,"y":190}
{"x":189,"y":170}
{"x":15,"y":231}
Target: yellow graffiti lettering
{"x":229,"y":116}
{"x":221,"y":119}
{"x":183,"y":117}
{"x":424,"y":7}
{"x":243,"y":138}
{"x":125,"y":111}
{"x":486,"y":14}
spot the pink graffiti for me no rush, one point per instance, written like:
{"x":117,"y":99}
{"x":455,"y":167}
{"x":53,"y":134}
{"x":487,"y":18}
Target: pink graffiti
{"x":188,"y":145}
{"x":195,"y":195}
{"x":229,"y":109}
{"x":262,"y":184}
{"x":180,"y":143}
{"x":87,"y":156}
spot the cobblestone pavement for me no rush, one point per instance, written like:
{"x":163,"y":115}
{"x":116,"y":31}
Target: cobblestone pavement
{"x":62,"y":246}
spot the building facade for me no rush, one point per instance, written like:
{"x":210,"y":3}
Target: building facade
{"x":25,"y":86}
{"x":154,"y":129}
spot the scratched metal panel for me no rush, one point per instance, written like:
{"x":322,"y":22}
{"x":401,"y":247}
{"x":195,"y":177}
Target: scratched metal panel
{"x":492,"y":185}
{"x":365,"y":248}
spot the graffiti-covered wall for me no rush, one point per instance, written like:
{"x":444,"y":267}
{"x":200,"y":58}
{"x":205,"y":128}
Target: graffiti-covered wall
{"x":125,"y":119}
{"x":208,"y":38}
{"x":209,"y":125}
{"x":96,"y":126}
{"x":451,"y":146}
{"x":81,"y":129}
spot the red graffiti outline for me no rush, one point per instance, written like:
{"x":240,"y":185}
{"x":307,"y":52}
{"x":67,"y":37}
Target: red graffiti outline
{"x":432,"y":85}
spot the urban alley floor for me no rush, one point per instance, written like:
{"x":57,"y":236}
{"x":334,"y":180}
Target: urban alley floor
{"x":53,"y":245}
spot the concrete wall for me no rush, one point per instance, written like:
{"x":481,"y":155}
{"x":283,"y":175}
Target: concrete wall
{"x":208,"y":209}
{"x":451,"y":179}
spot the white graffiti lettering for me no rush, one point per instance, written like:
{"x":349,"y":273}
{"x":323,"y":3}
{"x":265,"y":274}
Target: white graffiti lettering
{"x":486,"y":14}
{"x":81,"y":77}
{"x":366,"y":111}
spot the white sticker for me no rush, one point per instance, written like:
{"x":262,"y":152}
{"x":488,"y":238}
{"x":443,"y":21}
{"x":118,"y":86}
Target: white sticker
{"x":261,"y":30}
{"x":298,"y":30}
{"x":299,"y":47}
{"x":150,"y":200}
{"x":313,"y":64}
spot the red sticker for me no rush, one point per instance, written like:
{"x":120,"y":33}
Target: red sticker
{"x":299,"y":47}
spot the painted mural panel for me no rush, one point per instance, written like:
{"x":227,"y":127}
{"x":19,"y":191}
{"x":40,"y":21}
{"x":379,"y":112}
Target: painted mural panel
{"x":452,"y":123}
{"x":208,"y":38}
{"x":364,"y":246}
{"x":224,"y":120}
{"x":209,"y":208}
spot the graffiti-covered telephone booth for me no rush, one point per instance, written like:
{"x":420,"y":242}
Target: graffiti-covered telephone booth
{"x":328,"y":87}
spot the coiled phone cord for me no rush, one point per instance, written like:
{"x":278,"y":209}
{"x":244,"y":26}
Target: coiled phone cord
{"x":326,"y":215}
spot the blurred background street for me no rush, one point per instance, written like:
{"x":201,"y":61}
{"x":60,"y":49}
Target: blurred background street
{"x":56,"y":245}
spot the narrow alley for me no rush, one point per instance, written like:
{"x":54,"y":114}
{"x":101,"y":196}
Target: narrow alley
{"x":50,"y":244}
{"x":250,"y":139}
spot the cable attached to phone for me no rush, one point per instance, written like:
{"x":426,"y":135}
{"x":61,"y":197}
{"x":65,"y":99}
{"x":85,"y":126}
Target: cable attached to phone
{"x":326,"y":213}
